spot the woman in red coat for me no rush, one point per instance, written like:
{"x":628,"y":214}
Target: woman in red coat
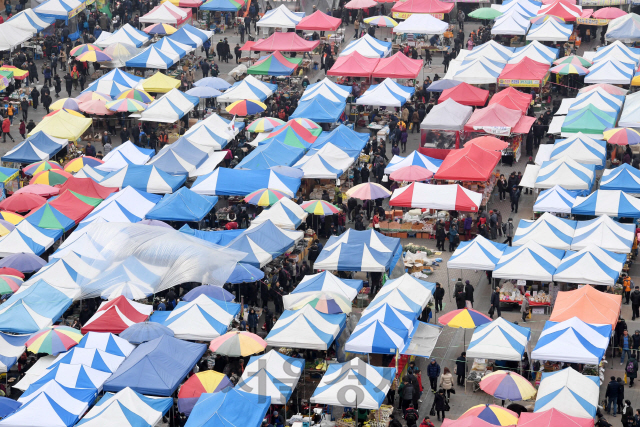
{"x":6,"y":128}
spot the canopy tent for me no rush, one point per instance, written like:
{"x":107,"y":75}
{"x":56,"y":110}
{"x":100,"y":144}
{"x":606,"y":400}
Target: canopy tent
{"x":35,"y":371}
{"x":11,"y":36}
{"x":617,"y":50}
{"x":479,"y":71}
{"x":170,"y":107}
{"x":130,"y":200}
{"x":33,"y":309}
{"x":569,"y":391}
{"x":512,"y":99}
{"x":63,"y":125}
{"x":413,"y":159}
{"x":550,"y":30}
{"x":449,"y":115}
{"x":117,"y":315}
{"x":127,"y":34}
{"x":499,"y":340}
{"x":465,"y":94}
{"x":319,"y":21}
{"x":564,"y":171}
{"x":107,"y":342}
{"x":477,"y":254}
{"x":95,"y":358}
{"x":156,"y":367}
{"x":535,"y":51}
{"x":320,"y":110}
{"x":532,"y":72}
{"x":231,"y":407}
{"x":550,"y":230}
{"x":552,"y":417}
{"x":499,"y":119}
{"x":625,"y":28}
{"x":59,"y":9}
{"x":528,"y":262}
{"x":327,"y":88}
{"x":284,"y":42}
{"x":556,"y":199}
{"x":241,"y":182}
{"x":28,"y":20}
{"x":581,"y":148}
{"x":624,"y":178}
{"x":572,"y":341}
{"x":589,"y":305}
{"x":191,"y":36}
{"x":158,"y":83}
{"x":274,"y":153}
{"x":72,"y":376}
{"x":525,"y":8}
{"x":272,"y":368}
{"x":28,"y":238}
{"x":306,"y":328}
{"x":405,"y":9}
{"x":343,"y":138}
{"x":113,"y":83}
{"x":275,"y":64}
{"x":398,"y":66}
{"x":183,"y":205}
{"x":325,"y":282}
{"x":284,"y":214}
{"x":562,"y":9}
{"x":591,"y":265}
{"x":182,"y":157}
{"x":471,"y":163}
{"x":127,"y":408}
{"x":172,"y":48}
{"x":166,"y":13}
{"x":366,"y":386}
{"x":421,"y":24}
{"x":214,"y":132}
{"x":614,"y":203}
{"x":610,"y":71}
{"x":201,"y":319}
{"x":280,"y":17}
{"x":491,"y":50}
{"x":264,"y":242}
{"x":11,"y":348}
{"x":354,"y":257}
{"x":420,"y":291}
{"x":222,"y":5}
{"x":367,"y":46}
{"x":395,"y":320}
{"x":441,"y":197}
{"x":511,"y":24}
{"x":221,"y":238}
{"x":144,"y":178}
{"x":353,"y":65}
{"x":37,"y":147}
{"x":248,"y":88}
{"x":387,"y":93}
{"x":629,"y":116}
{"x":86,"y":187}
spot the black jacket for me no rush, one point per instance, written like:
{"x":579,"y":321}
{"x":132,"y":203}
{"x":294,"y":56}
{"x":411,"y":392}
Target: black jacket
{"x":439,"y":293}
{"x":439,"y":401}
{"x":635,"y":297}
{"x":613,"y":389}
{"x":460,"y":365}
{"x":495,"y":299}
{"x":313,"y":253}
{"x":468,"y":289}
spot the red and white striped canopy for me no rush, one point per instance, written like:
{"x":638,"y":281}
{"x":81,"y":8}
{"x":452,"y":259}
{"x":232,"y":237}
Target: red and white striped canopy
{"x":443,"y":197}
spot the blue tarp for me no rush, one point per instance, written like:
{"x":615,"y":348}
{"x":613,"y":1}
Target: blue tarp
{"x":156,"y":367}
{"x":183,"y":205}
{"x":229,"y":408}
{"x":272,"y":154}
{"x":263,"y":242}
{"x":320,"y":110}
{"x":37,"y":147}
{"x":343,"y":138}
{"x":238,"y":182}
{"x":221,"y":238}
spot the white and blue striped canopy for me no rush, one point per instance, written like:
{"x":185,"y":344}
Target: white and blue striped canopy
{"x":376,"y":337}
{"x":614,"y":203}
{"x":500,"y":339}
{"x":610,"y":71}
{"x":479,"y":71}
{"x":591,"y":265}
{"x":368,"y":46}
{"x":570,"y":392}
{"x":605,"y":233}
{"x":477,"y":254}
{"x":152,"y":57}
{"x":567,"y":173}
{"x":528,"y":262}
{"x":617,"y":50}
{"x":555,"y":199}
{"x":548,"y":230}
{"x":581,"y":148}
{"x":625,"y":178}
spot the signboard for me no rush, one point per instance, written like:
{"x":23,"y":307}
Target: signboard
{"x":77,"y":10}
{"x":522,"y":83}
{"x":593,"y":21}
{"x":495,"y":130}
{"x":537,"y":310}
{"x":603,"y":2}
{"x":405,"y":15}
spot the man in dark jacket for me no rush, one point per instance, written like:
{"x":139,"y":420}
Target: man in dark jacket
{"x":613,"y":390}
{"x":438,"y":295}
{"x":314,"y":251}
{"x":635,"y":303}
{"x":408,"y":393}
{"x":468,"y":290}
{"x":124,"y":135}
{"x":632,"y":368}
{"x":411,"y":416}
{"x":459,"y":294}
{"x":495,"y":303}
{"x":515,"y":198}
{"x":433,"y":372}
{"x":440,"y":235}
{"x":35,"y":97}
{"x":393,"y":422}
{"x":461,"y":366}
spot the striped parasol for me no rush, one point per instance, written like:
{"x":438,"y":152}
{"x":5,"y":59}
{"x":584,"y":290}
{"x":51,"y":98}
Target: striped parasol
{"x":40,"y":166}
{"x":53,"y":340}
{"x":238,"y":344}
{"x":319,"y":207}
{"x":264,"y":197}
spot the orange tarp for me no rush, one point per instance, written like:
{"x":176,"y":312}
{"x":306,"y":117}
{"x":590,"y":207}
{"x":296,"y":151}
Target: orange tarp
{"x":588,"y":305}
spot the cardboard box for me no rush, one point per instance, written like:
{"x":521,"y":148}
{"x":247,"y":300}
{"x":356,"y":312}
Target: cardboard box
{"x":401,"y":235}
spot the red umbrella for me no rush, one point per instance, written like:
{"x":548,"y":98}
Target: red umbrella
{"x":608,"y":13}
{"x":411,"y":173}
{"x":22,"y":202}
{"x":11,"y":272}
{"x":490,"y":143}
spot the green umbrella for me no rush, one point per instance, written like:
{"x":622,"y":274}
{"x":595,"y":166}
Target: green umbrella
{"x":485,"y":13}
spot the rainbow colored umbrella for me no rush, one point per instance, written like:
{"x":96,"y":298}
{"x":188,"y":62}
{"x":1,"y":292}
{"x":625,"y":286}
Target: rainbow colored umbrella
{"x":238,"y":344}
{"x":493,"y":414}
{"x":411,"y":173}
{"x":50,"y":177}
{"x":264,"y":197}
{"x":93,"y":96}
{"x":66,"y":103}
{"x":9,"y":284}
{"x":94,"y":56}
{"x":43,"y":165}
{"x":246,"y":107}
{"x":264,"y":124}
{"x":126,"y":106}
{"x":83,"y":48}
{"x":507,"y":385}
{"x":381,"y":21}
{"x":573,"y":60}
{"x":78,"y":163}
{"x":202,"y":382}
{"x":325,"y":302}
{"x":72,"y":112}
{"x":275,"y":64}
{"x":310,"y":125}
{"x":5,"y":228}
{"x":161,"y":29}
{"x":368,"y":191}
{"x":565,"y":69}
{"x":319,"y":207}
{"x":622,"y":136}
{"x":464,"y":318}
{"x":53,"y":340}
{"x":137,"y":94}
{"x":11,"y":217}
{"x":539,"y":19}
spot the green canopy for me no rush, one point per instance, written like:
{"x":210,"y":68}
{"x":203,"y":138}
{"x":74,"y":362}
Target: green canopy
{"x":275,"y":65}
{"x":588,"y":120}
{"x":485,"y":13}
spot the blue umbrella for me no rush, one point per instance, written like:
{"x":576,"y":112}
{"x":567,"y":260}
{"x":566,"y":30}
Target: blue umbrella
{"x":440,"y":85}
{"x":215,"y":292}
{"x":214,"y":82}
{"x":26,"y":263}
{"x":204,"y":92}
{"x":145,"y":331}
{"x":8,"y":406}
{"x":245,"y":273}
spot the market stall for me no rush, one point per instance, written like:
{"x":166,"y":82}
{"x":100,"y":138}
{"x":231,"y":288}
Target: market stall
{"x":569,"y":391}
{"x":590,"y":265}
{"x":556,"y":199}
{"x":443,"y":127}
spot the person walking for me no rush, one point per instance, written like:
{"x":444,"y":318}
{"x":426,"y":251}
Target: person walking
{"x":407,"y":393}
{"x":502,"y":188}
{"x":440,"y":404}
{"x":411,"y":416}
{"x":468,"y":292}
{"x":22,"y":128}
{"x":46,"y":101}
{"x":461,"y":368}
{"x":635,"y":302}
{"x":624,"y":343}
{"x":35,"y":97}
{"x":613,"y":390}
{"x":508,"y":232}
{"x":441,"y":235}
{"x":433,"y":372}
{"x":438,"y":296}
{"x":515,"y":198}
{"x":524,"y":309}
{"x":446,"y":381}
{"x":495,"y":303}
{"x":356,"y":26}
{"x":632,"y":369}
{"x":459,"y":294}
{"x":24,"y":106}
{"x":627,"y":415}
{"x":453,"y":236}
{"x":627,"y":285}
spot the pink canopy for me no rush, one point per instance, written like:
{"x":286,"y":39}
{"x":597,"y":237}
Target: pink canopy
{"x":422,"y":6}
{"x":441,"y":197}
{"x":285,"y":42}
{"x":353,"y":65}
{"x":496,"y":116}
{"x":512,"y":98}
{"x":562,"y":9}
{"x":608,"y":13}
{"x":360,"y":4}
{"x":398,"y":66}
{"x":319,"y":21}
{"x":613,"y":90}
{"x":552,"y":418}
{"x":471,"y":163}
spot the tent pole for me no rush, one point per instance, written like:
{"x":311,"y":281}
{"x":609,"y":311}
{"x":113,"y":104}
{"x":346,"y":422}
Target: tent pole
{"x":448,"y":284}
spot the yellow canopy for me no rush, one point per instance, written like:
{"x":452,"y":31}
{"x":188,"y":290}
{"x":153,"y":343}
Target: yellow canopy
{"x":17,"y":72}
{"x":63,"y":125}
{"x":636,"y":80}
{"x":159,"y":83}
